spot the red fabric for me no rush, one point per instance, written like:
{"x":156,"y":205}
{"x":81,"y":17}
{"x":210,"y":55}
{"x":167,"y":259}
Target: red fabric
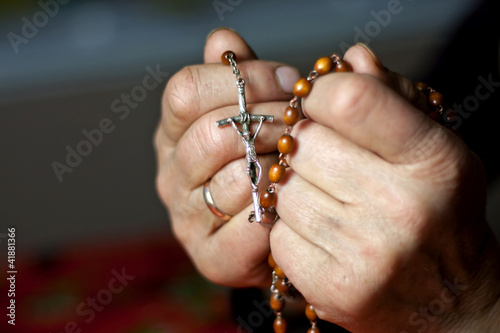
{"x":127,"y":287}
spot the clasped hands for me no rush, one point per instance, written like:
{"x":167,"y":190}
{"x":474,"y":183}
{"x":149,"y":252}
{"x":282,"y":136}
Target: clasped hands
{"x":382,"y":209}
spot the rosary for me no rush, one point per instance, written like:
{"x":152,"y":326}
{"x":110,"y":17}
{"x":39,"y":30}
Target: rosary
{"x":263,"y":205}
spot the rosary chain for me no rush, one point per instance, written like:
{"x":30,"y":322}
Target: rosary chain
{"x":240,"y":82}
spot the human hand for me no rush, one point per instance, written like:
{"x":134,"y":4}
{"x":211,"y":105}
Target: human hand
{"x":191,"y":149}
{"x":382,"y":223}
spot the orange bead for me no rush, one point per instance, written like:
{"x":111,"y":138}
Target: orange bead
{"x":449,"y":115}
{"x":269,"y":216}
{"x":313,"y":330}
{"x":435,"y":99}
{"x":279,"y":325}
{"x":291,"y":116}
{"x":342,"y":67}
{"x":277,"y":302}
{"x":279,"y":272}
{"x":225,"y":57}
{"x":285,"y":144}
{"x":302,"y":88}
{"x":276,"y":173}
{"x":282,"y":286}
{"x":323,"y":65}
{"x":311,"y":313}
{"x":267,"y":199}
{"x":420,"y":86}
{"x":270,"y":260}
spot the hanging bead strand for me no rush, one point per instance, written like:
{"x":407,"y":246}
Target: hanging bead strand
{"x":291,"y":116}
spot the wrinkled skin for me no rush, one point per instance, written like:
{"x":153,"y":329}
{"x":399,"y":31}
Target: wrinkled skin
{"x":382,"y":223}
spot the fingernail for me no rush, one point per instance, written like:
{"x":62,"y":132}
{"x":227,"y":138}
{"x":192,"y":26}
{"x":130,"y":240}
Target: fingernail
{"x":374,"y":56}
{"x":287,"y":76}
{"x":217,"y":29}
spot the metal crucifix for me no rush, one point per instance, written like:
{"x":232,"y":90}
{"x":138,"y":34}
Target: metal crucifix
{"x":254,"y":169}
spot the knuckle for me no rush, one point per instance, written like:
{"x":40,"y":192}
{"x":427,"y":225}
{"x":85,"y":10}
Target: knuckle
{"x":181,"y":93}
{"x":205,"y":140}
{"x":352,"y":99}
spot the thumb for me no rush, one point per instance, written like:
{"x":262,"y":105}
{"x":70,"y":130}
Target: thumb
{"x":225,"y":39}
{"x":364,"y":61}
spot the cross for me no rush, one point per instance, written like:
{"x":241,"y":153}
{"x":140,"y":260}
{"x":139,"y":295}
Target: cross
{"x":254,"y":169}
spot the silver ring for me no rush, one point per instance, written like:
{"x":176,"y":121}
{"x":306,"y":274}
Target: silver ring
{"x":209,"y":200}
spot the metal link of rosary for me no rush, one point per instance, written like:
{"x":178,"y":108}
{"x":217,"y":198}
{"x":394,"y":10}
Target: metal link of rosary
{"x":254,"y":168}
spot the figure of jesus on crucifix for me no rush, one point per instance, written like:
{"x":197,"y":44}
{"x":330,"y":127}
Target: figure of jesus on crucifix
{"x":254,"y":169}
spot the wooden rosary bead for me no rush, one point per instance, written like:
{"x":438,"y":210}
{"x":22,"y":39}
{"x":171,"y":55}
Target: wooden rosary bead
{"x":279,"y":325}
{"x":311,"y":313}
{"x":448,"y":115}
{"x":323,"y":65}
{"x":277,"y":302}
{"x":269,"y":216}
{"x":267,"y":199}
{"x":279,"y":272}
{"x":291,"y":116}
{"x":302,"y":88}
{"x":225,"y":57}
{"x":435,"y":99}
{"x":270,"y":260}
{"x":282,"y":286}
{"x":421,"y":86}
{"x":285,"y":144}
{"x":276,"y":173}
{"x":314,"y":329}
{"x":342,"y":67}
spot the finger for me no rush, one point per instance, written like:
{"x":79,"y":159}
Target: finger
{"x":224,"y":39}
{"x":197,"y":90}
{"x":374,"y":117}
{"x":364,"y":61}
{"x":208,"y":246}
{"x":313,"y":271}
{"x":205,"y":148}
{"x":230,"y":186}
{"x":331,"y":162}
{"x":209,"y":152}
{"x":320,"y":222}
{"x":207,"y":238}
{"x":248,"y":244}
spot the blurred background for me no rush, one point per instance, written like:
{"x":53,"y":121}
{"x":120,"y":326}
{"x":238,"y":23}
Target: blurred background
{"x":84,"y":212}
